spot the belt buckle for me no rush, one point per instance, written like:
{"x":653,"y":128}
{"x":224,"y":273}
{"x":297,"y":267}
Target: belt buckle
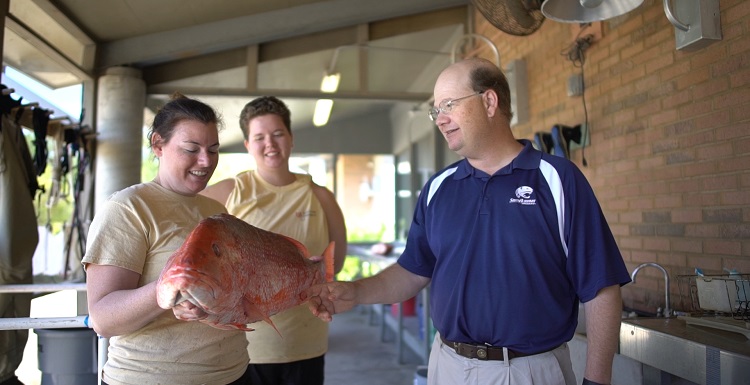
{"x":481,"y":352}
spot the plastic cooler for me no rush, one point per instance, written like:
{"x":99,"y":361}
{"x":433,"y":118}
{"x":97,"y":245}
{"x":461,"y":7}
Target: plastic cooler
{"x":67,"y":356}
{"x":408,"y":308}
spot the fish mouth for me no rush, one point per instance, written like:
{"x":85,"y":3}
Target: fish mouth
{"x":192,"y":285}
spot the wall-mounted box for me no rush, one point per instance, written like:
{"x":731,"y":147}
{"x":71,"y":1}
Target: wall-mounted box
{"x":519,"y":91}
{"x":697,"y":23}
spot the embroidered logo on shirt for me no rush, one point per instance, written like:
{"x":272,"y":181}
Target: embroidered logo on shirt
{"x":523,"y":196}
{"x":304,"y":214}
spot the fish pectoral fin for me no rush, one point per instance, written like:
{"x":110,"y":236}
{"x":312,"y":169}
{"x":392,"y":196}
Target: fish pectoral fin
{"x":273,"y":326}
{"x":233,"y":326}
{"x":328,"y":256}
{"x":252,"y":312}
{"x":243,"y":327}
{"x":327,"y":263}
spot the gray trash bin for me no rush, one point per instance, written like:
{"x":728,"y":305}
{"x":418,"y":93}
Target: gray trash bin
{"x":420,"y":376}
{"x":68,"y":356}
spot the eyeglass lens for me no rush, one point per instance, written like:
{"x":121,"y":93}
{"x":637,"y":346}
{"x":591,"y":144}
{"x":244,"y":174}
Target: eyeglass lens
{"x":446,"y":106}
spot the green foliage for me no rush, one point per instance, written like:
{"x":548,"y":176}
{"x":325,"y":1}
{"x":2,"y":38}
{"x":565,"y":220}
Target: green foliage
{"x":149,"y":162}
{"x":355,"y":268}
{"x":53,"y":206}
{"x":351,"y":269}
{"x":149,"y":167}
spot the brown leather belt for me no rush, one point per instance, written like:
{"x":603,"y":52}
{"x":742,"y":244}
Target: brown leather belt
{"x":484,"y":353}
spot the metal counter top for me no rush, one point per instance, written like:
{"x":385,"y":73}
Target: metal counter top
{"x":704,"y":355}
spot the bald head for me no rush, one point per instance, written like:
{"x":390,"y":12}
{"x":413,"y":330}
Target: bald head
{"x":472,"y":64}
{"x":481,"y":75}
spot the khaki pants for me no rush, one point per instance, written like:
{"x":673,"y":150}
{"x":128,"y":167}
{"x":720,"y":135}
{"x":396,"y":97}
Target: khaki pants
{"x":448,"y":368}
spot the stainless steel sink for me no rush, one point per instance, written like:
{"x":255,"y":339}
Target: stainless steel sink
{"x":704,"y":355}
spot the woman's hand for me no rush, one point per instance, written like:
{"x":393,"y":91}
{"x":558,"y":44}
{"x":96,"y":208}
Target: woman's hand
{"x":187,"y":311}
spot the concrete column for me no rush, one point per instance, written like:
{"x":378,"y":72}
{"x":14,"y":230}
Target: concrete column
{"x":119,"y":122}
{"x":4,"y":7}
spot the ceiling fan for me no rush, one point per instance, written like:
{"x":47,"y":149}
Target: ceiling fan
{"x":514,"y":17}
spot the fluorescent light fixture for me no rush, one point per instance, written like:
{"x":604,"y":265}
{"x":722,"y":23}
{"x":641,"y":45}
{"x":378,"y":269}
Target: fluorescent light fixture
{"x":322,"y":112}
{"x":330,"y":83}
{"x":323,"y":107}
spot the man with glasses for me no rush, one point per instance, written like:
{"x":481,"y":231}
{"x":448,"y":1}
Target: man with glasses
{"x":510,"y":240}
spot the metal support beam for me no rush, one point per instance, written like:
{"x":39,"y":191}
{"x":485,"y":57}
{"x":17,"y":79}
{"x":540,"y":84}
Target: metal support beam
{"x":251,"y":60}
{"x":363,"y":36}
{"x":195,"y":66}
{"x":360,"y":35}
{"x":303,"y":94}
{"x":46,"y":49}
{"x":243,"y":31}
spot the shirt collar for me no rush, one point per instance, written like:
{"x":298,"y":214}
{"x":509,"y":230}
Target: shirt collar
{"x":528,"y":159}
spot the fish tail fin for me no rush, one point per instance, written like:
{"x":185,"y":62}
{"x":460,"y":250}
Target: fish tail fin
{"x":328,"y":256}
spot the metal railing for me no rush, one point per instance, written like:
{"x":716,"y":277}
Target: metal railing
{"x":81,"y":321}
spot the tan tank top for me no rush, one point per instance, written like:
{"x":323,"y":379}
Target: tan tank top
{"x":292,"y":210}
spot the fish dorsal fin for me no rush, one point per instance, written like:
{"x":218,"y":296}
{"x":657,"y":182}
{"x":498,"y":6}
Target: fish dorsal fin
{"x":298,"y":245}
{"x":252,"y":312}
{"x":328,"y":256}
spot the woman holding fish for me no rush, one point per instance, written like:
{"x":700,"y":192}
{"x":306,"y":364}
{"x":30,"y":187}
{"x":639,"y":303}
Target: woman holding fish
{"x":275,"y":199}
{"x":130,"y":239}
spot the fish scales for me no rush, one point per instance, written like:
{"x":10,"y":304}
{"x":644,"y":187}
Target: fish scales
{"x":239,"y":274}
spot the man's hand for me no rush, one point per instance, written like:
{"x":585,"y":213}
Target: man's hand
{"x":330,"y":298}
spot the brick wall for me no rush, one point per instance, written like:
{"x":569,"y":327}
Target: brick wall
{"x":669,"y":158}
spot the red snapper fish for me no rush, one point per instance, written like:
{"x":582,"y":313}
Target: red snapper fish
{"x":239,"y":274}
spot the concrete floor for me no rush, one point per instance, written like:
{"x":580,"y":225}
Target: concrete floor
{"x":356,"y":354}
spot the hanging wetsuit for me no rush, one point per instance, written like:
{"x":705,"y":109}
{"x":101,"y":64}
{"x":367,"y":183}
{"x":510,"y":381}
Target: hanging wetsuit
{"x":18,"y":239}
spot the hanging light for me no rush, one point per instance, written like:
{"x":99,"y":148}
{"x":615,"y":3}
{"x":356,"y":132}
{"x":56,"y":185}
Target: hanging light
{"x":330,"y":83}
{"x":323,"y":107}
{"x":322,"y":112}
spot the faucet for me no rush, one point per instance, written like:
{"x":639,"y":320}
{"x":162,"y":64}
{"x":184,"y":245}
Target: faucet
{"x":667,"y":307}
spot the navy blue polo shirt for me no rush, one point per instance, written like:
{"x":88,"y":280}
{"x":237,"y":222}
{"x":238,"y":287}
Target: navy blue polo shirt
{"x":512,"y":254}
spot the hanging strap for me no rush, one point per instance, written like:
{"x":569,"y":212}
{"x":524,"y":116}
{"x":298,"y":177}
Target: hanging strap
{"x":40,"y":119}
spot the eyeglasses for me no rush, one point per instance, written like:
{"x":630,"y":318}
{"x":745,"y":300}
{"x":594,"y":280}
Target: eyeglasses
{"x":446,"y":106}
